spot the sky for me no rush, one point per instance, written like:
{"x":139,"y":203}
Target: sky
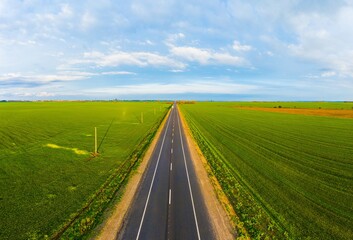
{"x":176,"y":49}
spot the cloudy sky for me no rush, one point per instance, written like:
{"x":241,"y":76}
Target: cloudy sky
{"x":176,"y":49}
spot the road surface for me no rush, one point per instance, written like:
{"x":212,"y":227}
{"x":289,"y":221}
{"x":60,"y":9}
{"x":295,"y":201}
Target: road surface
{"x":168,"y":203}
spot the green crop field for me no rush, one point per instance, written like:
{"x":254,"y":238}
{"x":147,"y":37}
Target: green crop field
{"x":286,"y":176}
{"x":47,"y":173}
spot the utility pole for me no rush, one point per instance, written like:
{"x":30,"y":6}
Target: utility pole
{"x":95,"y":140}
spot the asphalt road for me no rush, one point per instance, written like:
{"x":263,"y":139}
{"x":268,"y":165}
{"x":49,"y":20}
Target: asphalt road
{"x":168,"y":203}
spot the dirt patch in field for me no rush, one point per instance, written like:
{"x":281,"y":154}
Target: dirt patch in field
{"x":75,"y":150}
{"x":215,"y":199}
{"x":344,"y":113}
{"x":112,"y":225}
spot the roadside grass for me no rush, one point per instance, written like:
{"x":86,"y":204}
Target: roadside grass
{"x":46,"y":169}
{"x":286,"y":176}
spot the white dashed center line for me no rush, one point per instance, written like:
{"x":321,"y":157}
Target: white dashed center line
{"x":170,"y":196}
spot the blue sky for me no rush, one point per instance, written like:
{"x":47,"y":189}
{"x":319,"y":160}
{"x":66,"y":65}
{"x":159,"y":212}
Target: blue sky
{"x":194,"y":49}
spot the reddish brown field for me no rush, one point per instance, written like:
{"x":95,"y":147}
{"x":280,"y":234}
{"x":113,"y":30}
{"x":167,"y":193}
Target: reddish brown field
{"x":307,"y":111}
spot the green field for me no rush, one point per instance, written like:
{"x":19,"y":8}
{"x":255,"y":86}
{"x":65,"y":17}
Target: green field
{"x":47,"y":173}
{"x":286,"y":176}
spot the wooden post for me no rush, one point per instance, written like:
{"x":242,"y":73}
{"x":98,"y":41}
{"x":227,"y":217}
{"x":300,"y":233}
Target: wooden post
{"x":95,"y":140}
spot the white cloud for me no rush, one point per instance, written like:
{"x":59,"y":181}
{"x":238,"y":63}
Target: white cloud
{"x":328,"y":74}
{"x":305,"y":38}
{"x":62,"y":16}
{"x":118,"y":58}
{"x":8,"y":76}
{"x":151,"y":10}
{"x":147,"y":42}
{"x":200,"y":87}
{"x":54,"y":77}
{"x":227,"y":59}
{"x":172,"y":38}
{"x":26,"y":42}
{"x":325,"y":39}
{"x":176,"y":60}
{"x":192,"y":54}
{"x":241,"y":48}
{"x":44,"y":94}
{"x":206,"y":56}
{"x":87,"y":21}
{"x":118,"y":73}
{"x":27,"y":94}
{"x":44,"y":78}
{"x":269,"y":53}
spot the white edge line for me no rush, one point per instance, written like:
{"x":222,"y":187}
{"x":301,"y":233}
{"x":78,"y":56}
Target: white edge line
{"x":154,"y":174}
{"x":187,"y":175}
{"x":170,"y":196}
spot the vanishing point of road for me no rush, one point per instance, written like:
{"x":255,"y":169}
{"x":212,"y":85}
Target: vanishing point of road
{"x":168,"y":203}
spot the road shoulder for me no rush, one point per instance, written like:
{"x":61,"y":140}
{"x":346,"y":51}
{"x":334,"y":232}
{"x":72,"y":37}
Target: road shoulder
{"x":215,"y":199}
{"x":114,"y":222}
